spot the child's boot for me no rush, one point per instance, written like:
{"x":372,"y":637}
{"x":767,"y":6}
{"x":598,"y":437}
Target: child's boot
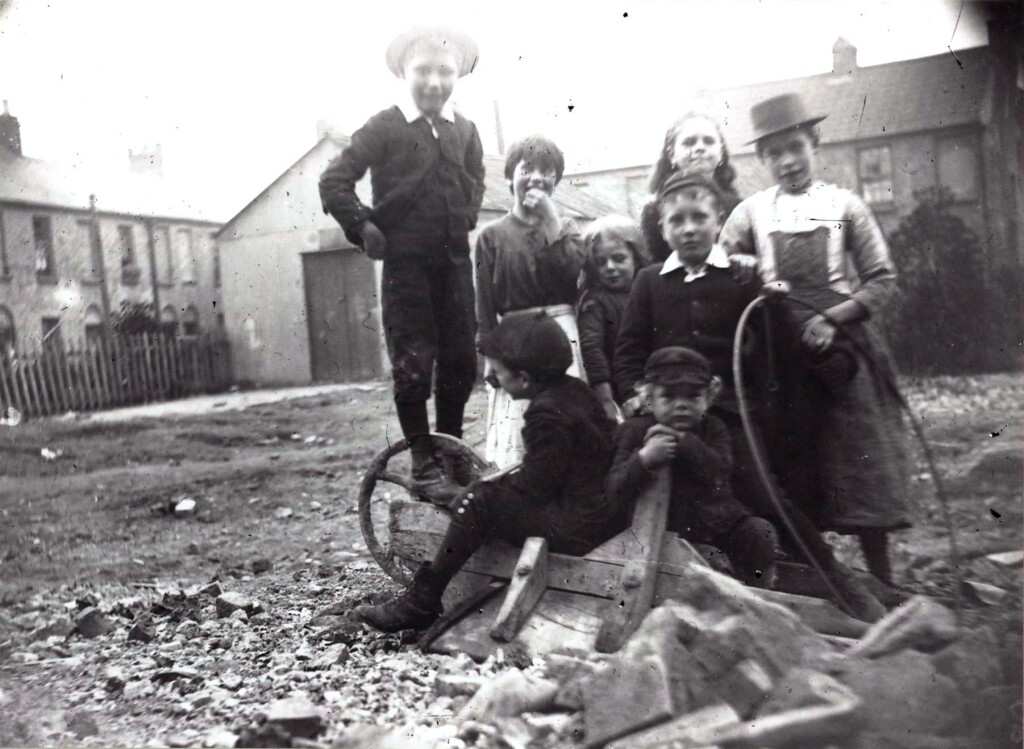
{"x":431,"y":482}
{"x":417,"y":607}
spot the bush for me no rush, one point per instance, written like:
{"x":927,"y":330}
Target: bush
{"x":951,"y":319}
{"x":135,"y":318}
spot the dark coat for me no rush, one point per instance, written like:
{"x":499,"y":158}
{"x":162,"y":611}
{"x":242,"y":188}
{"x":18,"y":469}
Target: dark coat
{"x":568,"y":440}
{"x":599,"y":317}
{"x":702,"y":507}
{"x":668,"y":311}
{"x":407,"y":166}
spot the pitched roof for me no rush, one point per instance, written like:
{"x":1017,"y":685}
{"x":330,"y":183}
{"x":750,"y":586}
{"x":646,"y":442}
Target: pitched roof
{"x":876,"y":101}
{"x":36,"y":182}
{"x":572,"y":201}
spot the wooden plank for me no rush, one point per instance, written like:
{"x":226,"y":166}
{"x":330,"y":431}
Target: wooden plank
{"x":6,"y":387}
{"x":528,"y":583}
{"x":104,"y":361}
{"x":416,"y":530}
{"x":165,"y":363}
{"x":635,"y":595}
{"x":18,"y":384}
{"x":153,"y":373}
{"x":71,"y":378}
{"x":48,"y":382}
{"x":32,"y":377}
{"x":452,"y":614}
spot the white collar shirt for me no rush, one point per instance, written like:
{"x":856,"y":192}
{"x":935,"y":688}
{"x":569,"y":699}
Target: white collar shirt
{"x":717,"y":258}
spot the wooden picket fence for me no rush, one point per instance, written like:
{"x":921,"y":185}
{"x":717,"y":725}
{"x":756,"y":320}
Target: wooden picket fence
{"x":45,"y":379}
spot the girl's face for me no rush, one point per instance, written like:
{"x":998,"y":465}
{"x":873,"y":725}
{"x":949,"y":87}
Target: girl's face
{"x":613,"y":261}
{"x":532,"y":176}
{"x":697,"y":147}
{"x":789,"y":156}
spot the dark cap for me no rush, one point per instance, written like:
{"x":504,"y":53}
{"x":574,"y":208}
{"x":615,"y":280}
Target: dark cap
{"x":676,"y":365}
{"x":780,"y":113}
{"x":682,"y":180}
{"x":531,"y":342}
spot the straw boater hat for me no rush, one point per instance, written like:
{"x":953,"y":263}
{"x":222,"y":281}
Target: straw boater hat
{"x":779,"y":113}
{"x":442,"y":36}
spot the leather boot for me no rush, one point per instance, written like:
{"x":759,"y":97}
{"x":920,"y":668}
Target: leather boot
{"x":417,"y":607}
{"x":861,"y":604}
{"x":431,"y":482}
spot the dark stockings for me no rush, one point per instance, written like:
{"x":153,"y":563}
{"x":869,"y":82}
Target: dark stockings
{"x":449,"y":415}
{"x":874,"y":542}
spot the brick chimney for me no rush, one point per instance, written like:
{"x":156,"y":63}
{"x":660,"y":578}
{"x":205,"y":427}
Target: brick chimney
{"x":148,"y":160}
{"x":10,"y":131}
{"x":844,"y":57}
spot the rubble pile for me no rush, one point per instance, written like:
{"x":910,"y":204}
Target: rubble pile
{"x":263,"y":666}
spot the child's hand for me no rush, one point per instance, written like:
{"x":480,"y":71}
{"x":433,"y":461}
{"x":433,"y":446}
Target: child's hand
{"x":818,"y":334}
{"x":603,"y":391}
{"x":659,"y":447}
{"x":373,"y":240}
{"x":743,"y":267}
{"x":540,"y":203}
{"x":776,"y":289}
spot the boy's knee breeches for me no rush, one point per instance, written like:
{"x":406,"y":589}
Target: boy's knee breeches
{"x":428,"y":310}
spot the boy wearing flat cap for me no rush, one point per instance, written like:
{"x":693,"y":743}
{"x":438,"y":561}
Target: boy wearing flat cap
{"x":557,"y":492}
{"x":427,"y":174}
{"x":681,"y":434}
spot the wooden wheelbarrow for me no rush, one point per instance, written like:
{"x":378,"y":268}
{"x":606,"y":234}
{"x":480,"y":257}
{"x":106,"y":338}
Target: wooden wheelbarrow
{"x":535,"y":601}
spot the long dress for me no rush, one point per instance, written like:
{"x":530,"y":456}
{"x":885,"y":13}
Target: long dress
{"x":848,"y":464}
{"x":518,"y":270}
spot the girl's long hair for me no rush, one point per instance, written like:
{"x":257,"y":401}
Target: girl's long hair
{"x":615,"y":228}
{"x":724,"y":174}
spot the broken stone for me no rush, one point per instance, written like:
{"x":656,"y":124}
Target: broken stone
{"x":624,"y":697}
{"x":185,"y":506}
{"x":92,"y":623}
{"x":187,"y":629}
{"x":211,"y":589}
{"x":902,"y":692}
{"x":334,"y":655}
{"x":1007,"y":558}
{"x":511,"y":693}
{"x":452,"y":685}
{"x":138,"y":689}
{"x":192,"y":549}
{"x":141,"y":631}
{"x":296,"y":716}
{"x":745,"y":687}
{"x":283,"y":513}
{"x":228,"y":603}
{"x":81,"y":724}
{"x":983,"y":593}
{"x":261,"y":565}
{"x":220,"y":738}
{"x":918,"y":624}
{"x":239,"y":615}
{"x":222,"y":643}
{"x":59,"y":628}
{"x":231,"y":681}
{"x":973,"y":662}
{"x":115,"y":678}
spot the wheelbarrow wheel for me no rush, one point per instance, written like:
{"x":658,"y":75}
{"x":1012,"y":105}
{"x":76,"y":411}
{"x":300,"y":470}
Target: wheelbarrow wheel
{"x":459,"y":462}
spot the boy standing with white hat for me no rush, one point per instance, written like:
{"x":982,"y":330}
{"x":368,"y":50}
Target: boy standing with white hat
{"x":427,"y":174}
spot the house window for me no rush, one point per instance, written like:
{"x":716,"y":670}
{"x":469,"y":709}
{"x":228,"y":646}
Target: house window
{"x":164,"y":255}
{"x":874,"y":167}
{"x":42,"y":239}
{"x":88,"y":250}
{"x":130,"y":271}
{"x":215,"y":253}
{"x":958,"y":167}
{"x":169,"y":320}
{"x":53,"y":341}
{"x":93,"y":325}
{"x":190,"y":321}
{"x":7,"y":332}
{"x":186,"y":256}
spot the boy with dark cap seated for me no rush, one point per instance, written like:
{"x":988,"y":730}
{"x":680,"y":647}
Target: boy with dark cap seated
{"x":427,"y":174}
{"x":557,"y":492}
{"x":681,"y":434}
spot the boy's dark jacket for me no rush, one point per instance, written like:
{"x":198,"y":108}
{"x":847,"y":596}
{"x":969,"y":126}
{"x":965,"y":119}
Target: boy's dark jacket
{"x":568,"y":441}
{"x":702,"y":498}
{"x":403,"y":157}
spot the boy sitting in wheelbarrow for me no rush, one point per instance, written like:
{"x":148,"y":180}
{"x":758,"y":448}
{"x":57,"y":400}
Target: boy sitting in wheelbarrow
{"x":556,"y":493}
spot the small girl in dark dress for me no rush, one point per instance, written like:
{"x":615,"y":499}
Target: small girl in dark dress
{"x":693,"y":145}
{"x":615,"y":252}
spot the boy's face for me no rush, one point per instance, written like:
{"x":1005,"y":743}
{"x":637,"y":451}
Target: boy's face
{"x":789,"y":156}
{"x":430,"y":73}
{"x":532,"y":176}
{"x":514,"y":382}
{"x":690,"y":223}
{"x":680,"y":406}
{"x":613,"y":261}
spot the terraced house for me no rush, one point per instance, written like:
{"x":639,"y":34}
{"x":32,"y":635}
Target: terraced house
{"x":75,"y":245}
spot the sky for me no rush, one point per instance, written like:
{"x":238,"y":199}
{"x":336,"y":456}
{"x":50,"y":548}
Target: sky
{"x":233,"y":90}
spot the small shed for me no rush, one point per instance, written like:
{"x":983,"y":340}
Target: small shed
{"x":301,"y":305}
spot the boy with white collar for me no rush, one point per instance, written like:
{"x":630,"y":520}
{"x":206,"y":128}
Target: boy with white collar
{"x":427,"y":174}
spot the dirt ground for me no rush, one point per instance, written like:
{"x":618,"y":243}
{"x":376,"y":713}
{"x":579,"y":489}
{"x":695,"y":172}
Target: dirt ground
{"x":87,"y":506}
